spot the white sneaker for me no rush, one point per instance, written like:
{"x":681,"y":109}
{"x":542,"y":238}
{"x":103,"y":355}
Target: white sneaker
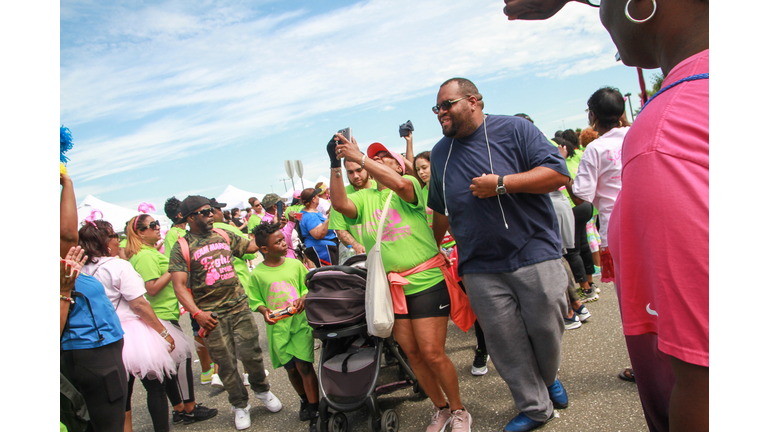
{"x":242,"y":417}
{"x":245,"y":379}
{"x":270,"y":401}
{"x":216,"y":382}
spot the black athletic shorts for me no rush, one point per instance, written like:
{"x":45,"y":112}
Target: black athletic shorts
{"x":430,"y":303}
{"x":292,"y":362}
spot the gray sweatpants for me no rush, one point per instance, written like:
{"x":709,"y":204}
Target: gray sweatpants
{"x":521,"y":314}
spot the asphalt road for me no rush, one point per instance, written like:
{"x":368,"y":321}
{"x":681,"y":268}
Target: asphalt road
{"x":593,"y":355}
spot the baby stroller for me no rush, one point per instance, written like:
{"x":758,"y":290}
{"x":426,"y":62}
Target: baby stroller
{"x":350,"y":358}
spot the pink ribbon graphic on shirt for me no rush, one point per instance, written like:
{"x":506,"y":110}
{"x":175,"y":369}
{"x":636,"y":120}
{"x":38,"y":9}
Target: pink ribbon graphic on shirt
{"x":92,"y":217}
{"x":146,"y":207}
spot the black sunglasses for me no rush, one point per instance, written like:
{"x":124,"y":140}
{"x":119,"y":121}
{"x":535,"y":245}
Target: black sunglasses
{"x":152,"y":225}
{"x":446,"y":105}
{"x":114,"y":236}
{"x":205,"y":212}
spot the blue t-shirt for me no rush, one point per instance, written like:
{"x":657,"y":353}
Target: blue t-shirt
{"x":309,"y":221}
{"x":81,"y":333}
{"x":485,"y":245}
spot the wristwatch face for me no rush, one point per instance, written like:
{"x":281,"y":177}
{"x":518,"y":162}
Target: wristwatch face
{"x":500,"y":189}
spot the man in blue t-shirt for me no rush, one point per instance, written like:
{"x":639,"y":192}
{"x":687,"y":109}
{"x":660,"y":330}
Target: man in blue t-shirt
{"x":497,"y":204}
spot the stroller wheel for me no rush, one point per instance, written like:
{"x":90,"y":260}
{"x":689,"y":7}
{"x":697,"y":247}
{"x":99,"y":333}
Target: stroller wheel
{"x":390,"y":421}
{"x":338,"y":422}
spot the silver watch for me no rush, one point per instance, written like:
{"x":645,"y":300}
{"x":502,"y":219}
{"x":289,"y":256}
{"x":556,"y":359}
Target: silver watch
{"x":500,"y":189}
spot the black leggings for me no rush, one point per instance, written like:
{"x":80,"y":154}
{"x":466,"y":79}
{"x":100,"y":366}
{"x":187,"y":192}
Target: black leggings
{"x":99,"y":375}
{"x":156,"y":404}
{"x":580,"y":256}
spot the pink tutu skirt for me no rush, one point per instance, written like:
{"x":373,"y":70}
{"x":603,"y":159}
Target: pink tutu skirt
{"x":184,"y":343}
{"x":145,"y":353}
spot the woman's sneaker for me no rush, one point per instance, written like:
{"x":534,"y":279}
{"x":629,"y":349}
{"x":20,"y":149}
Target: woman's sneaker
{"x":440,"y":420}
{"x":242,"y":417}
{"x":461,"y":421}
{"x":594,"y":287}
{"x":216,"y":382}
{"x":199,"y":413}
{"x":582,"y":313}
{"x":588,"y":295}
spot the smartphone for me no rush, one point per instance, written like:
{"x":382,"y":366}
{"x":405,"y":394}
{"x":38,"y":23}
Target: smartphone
{"x":347,"y":133}
{"x":280,"y":210}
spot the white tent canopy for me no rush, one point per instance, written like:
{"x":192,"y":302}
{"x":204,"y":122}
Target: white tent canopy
{"x":307,"y":184}
{"x":234,"y":197}
{"x":114,"y":214}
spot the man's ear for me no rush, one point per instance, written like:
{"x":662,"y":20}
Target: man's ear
{"x":264,"y":249}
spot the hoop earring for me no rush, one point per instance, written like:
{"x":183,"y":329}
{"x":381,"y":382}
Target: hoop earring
{"x":636,"y":21}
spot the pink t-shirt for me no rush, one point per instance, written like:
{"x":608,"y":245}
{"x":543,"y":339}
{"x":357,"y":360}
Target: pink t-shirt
{"x":598,"y":179}
{"x":660,"y":223}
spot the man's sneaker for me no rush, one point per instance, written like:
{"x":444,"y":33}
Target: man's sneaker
{"x":588,"y":295}
{"x":440,"y":420}
{"x":558,"y":395}
{"x":523,"y":423}
{"x":242,"y":417}
{"x":480,"y":364}
{"x":270,"y":401}
{"x":461,"y":421}
{"x":216,"y":381}
{"x":245,"y":379}
{"x":206,"y":377}
{"x":572,"y":323}
{"x":594,"y":287}
{"x":582,"y":313}
{"x":199,"y":413}
{"x":304,"y":411}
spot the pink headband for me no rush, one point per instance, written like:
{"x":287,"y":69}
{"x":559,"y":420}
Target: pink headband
{"x":143,"y":208}
{"x":92,"y":217}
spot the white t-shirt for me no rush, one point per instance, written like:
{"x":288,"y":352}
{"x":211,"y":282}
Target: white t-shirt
{"x":598,"y":179}
{"x":121,"y":283}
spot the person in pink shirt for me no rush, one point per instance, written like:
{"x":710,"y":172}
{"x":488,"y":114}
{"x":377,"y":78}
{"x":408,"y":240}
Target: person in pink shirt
{"x":660,"y":224}
{"x":598,"y":179}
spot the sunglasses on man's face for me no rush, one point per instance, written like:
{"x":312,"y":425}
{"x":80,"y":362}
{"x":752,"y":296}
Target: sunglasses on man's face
{"x":205,"y":212}
{"x":446,"y":105}
{"x":152,"y":225}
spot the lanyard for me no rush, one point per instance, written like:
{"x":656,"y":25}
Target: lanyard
{"x":690,"y":78}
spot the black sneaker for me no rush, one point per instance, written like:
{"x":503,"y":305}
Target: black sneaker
{"x":178,"y":418}
{"x":480,"y":364}
{"x":313,"y":417}
{"x":199,"y":413}
{"x":304,"y":411}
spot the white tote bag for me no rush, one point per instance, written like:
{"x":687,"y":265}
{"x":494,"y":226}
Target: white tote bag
{"x":379,"y":311}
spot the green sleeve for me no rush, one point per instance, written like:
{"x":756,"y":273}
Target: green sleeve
{"x":254,"y":291}
{"x":147,"y":266}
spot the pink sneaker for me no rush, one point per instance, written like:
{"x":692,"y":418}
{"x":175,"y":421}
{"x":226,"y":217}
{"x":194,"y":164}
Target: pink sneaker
{"x":439,"y":420}
{"x":461,"y":421}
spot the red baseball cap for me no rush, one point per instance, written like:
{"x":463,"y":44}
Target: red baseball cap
{"x":377,"y":147}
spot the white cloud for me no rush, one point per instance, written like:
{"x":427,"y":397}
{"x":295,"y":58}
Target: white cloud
{"x":196,"y":79}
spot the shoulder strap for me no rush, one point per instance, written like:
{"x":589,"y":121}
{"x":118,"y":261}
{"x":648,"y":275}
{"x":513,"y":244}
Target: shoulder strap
{"x":222,"y":233}
{"x":184,"y":250}
{"x":383,"y":218}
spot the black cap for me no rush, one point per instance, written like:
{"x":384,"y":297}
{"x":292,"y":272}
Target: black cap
{"x":216,"y":204}
{"x":192,"y":203}
{"x":308,"y":194}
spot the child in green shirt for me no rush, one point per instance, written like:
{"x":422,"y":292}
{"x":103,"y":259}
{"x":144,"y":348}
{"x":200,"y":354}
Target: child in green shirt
{"x":276,"y":283}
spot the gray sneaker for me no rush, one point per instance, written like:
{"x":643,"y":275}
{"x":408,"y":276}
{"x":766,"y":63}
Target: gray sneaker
{"x":588,"y":295}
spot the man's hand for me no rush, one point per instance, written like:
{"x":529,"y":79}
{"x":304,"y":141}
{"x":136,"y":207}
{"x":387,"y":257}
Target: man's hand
{"x":484,"y":186}
{"x":206,"y":321}
{"x":533,"y":9}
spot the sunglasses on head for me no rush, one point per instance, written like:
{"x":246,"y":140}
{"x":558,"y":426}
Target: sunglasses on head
{"x":205,"y":212}
{"x":446,"y":105}
{"x":152,"y":225}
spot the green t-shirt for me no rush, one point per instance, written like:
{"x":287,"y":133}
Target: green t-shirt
{"x":276,"y":288}
{"x":297,"y":209}
{"x":407,"y":240}
{"x":151,"y":264}
{"x":171,"y":237}
{"x":338,"y":222}
{"x":253,"y":222}
{"x":212,"y":279}
{"x":240,"y":264}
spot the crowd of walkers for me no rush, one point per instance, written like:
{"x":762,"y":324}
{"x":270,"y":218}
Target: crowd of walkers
{"x":496,"y":217}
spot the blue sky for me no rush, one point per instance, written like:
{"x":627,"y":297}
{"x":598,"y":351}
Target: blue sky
{"x":177,"y":98}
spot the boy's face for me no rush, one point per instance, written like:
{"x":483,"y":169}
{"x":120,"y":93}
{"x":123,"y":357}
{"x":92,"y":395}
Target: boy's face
{"x":276,"y":246}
